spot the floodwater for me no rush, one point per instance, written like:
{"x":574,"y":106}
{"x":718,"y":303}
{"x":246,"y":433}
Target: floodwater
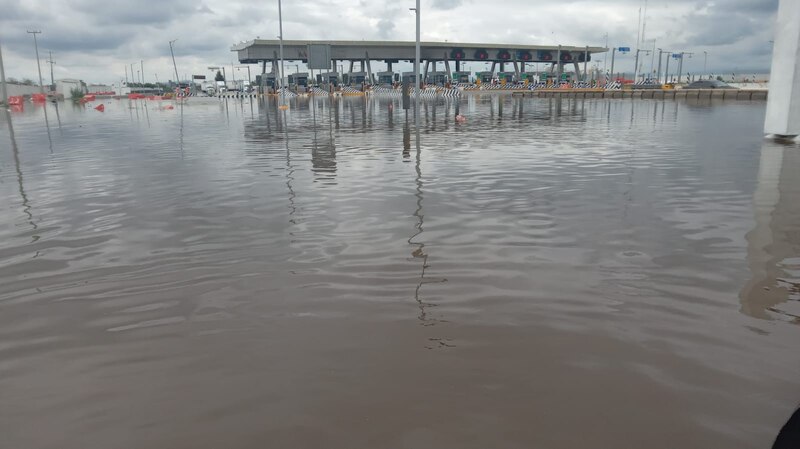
{"x":549,"y":274}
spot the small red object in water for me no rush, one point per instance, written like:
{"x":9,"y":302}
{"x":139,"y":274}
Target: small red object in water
{"x":39,"y":98}
{"x":169,"y":107}
{"x":101,"y":107}
{"x":89,"y":98}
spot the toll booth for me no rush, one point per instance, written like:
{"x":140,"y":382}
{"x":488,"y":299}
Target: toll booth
{"x":410,"y":77}
{"x":485,"y":77}
{"x":388,"y":77}
{"x":439,"y":78}
{"x":355,"y":78}
{"x":269,"y":80}
{"x":299,"y":79}
{"x":507,"y":77}
{"x":529,"y":77}
{"x":328,"y":78}
{"x":461,"y":77}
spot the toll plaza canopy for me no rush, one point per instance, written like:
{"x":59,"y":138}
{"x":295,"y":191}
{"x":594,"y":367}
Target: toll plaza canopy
{"x":262,"y":50}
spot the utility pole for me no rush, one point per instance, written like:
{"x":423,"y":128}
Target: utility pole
{"x":705,"y":63}
{"x":666,"y":71}
{"x":133,"y":77}
{"x":141,"y":66}
{"x":38,"y":63}
{"x":51,"y":62}
{"x":605,"y":58}
{"x":173,"y":60}
{"x":3,"y":91}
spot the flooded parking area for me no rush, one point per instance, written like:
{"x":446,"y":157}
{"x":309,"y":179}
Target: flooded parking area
{"x":548,"y":274}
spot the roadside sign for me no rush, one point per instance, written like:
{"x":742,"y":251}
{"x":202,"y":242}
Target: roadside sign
{"x":319,"y":56}
{"x":543,"y":77}
{"x":677,"y":55}
{"x":563,"y":77}
{"x":624,"y":49}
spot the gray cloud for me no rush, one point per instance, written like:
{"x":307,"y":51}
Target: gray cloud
{"x":447,"y":4}
{"x":94,"y":39}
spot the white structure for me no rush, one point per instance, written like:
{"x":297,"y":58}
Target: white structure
{"x":64,"y":87}
{"x":97,"y":88}
{"x":783,"y":105}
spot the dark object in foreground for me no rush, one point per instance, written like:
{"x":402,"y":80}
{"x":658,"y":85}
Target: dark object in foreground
{"x":709,"y":84}
{"x":789,"y":436}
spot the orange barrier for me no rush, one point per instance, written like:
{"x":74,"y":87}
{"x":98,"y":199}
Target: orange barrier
{"x":38,"y":98}
{"x":101,"y":107}
{"x":15,"y":101}
{"x":89,"y":98}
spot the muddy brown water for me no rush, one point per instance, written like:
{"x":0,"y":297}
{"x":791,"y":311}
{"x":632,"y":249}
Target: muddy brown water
{"x":549,"y":274}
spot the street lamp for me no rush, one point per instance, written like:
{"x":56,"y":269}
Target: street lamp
{"x":416,"y":71}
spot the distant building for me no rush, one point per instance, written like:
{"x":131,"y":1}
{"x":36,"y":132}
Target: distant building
{"x":64,"y":87}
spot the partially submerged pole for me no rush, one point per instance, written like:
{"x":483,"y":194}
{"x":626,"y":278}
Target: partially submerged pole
{"x":3,"y":91}
{"x":783,"y":103}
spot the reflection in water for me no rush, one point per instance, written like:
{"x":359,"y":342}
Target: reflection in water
{"x":47,"y":125}
{"x":584,"y":257}
{"x":26,"y":207}
{"x":773,"y":246}
{"x":419,"y":253}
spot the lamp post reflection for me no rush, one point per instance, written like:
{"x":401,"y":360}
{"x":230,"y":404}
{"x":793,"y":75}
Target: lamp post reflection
{"x":26,"y":207}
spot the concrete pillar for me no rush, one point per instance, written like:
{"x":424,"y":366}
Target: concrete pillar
{"x":389,"y":66}
{"x":783,"y":103}
{"x":425,"y":72}
{"x":458,"y":66}
{"x":494,"y":65}
{"x":560,"y":65}
{"x":577,"y":71}
{"x":447,"y":69}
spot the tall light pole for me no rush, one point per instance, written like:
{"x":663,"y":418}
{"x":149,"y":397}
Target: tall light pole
{"x":3,"y":92}
{"x":680,"y":64}
{"x":606,"y":55}
{"x":416,"y":71}
{"x":280,"y":30}
{"x":705,"y":63}
{"x":133,"y":77}
{"x":141,"y":63}
{"x":174,"y":66}
{"x":38,"y":64}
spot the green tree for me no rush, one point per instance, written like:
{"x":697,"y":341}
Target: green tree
{"x":219,"y":77}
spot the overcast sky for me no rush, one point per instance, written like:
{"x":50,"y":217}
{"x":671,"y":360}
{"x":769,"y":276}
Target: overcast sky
{"x":93,"y":40}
